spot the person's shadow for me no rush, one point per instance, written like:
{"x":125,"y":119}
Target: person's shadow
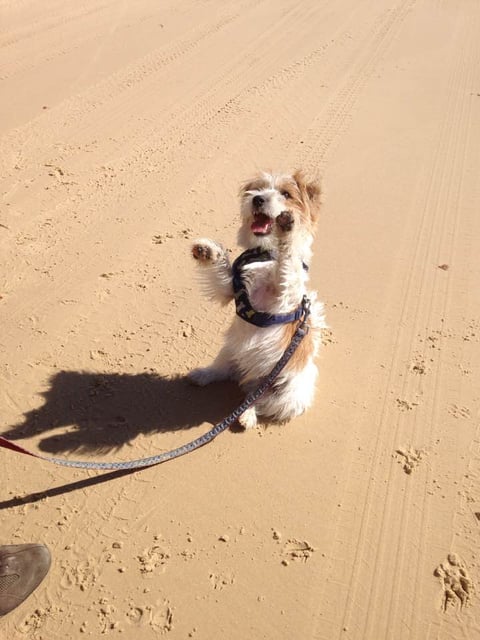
{"x":100,"y":412}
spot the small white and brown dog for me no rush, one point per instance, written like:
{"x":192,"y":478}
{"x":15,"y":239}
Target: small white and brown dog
{"x":268,"y":281}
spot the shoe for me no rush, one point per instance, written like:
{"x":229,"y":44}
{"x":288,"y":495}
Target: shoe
{"x":22,"y":568}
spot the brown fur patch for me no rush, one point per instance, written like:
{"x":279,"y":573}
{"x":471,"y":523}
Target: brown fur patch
{"x":257,"y":183}
{"x":290,"y":187}
{"x":304,"y":350}
{"x":303,"y":196}
{"x":310,"y":194}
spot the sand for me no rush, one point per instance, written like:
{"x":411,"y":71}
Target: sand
{"x":126,"y":130}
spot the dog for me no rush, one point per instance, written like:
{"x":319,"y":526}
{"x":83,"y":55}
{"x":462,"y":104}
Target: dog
{"x":268,"y":281}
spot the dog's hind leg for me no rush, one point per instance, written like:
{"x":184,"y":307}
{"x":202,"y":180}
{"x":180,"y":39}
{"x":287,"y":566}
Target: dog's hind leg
{"x":220,"y":369}
{"x":293,"y":395}
{"x":248,"y":419}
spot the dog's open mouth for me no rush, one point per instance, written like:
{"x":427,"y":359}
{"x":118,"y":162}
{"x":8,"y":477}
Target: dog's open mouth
{"x":262,"y":224}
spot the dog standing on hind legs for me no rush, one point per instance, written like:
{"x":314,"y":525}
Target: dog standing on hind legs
{"x":268,"y":282}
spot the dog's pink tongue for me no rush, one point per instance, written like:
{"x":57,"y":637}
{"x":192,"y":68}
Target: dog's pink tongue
{"x":261,"y":223}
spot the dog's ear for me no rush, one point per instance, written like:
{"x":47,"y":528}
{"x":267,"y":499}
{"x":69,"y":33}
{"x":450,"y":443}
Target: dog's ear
{"x":311,"y":190}
{"x":314,"y":191}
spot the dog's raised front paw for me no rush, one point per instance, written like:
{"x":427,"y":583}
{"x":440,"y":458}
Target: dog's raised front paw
{"x":285,"y":221}
{"x":206,"y":251}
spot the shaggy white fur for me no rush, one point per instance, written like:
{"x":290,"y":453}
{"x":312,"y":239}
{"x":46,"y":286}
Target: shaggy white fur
{"x":279,"y":214}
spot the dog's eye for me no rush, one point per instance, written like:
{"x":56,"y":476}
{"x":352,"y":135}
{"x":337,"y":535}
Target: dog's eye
{"x":286,"y":195}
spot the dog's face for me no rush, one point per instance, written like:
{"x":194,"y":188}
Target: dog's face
{"x":265,"y":197}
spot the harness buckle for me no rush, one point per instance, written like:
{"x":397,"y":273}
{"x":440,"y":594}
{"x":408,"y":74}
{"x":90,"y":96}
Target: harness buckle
{"x":304,"y":327}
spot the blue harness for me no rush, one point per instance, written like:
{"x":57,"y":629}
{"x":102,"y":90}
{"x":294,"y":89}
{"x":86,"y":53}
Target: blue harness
{"x":243,"y":305}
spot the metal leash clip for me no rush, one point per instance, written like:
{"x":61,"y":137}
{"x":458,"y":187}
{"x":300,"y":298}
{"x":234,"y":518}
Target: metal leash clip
{"x":304,"y":327}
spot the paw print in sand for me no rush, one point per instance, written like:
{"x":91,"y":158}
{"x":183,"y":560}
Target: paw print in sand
{"x":456,"y":583}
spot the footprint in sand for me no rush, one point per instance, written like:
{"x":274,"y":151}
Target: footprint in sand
{"x":459,"y":412}
{"x":456,"y":583}
{"x":297,"y":550}
{"x":418,"y":365}
{"x":218,"y":582}
{"x":158,"y":616}
{"x":410,"y":458}
{"x":153,"y":559}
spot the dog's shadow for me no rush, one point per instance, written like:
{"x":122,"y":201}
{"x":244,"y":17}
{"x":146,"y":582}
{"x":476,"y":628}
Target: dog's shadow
{"x":94,"y":412}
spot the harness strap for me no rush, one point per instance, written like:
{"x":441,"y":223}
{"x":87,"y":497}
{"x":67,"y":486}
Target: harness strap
{"x":243,"y":306}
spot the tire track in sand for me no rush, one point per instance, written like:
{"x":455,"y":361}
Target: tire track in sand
{"x":343,"y":62}
{"x":76,"y":112}
{"x":380,"y":582}
{"x":327,"y":128}
{"x":436,"y":300}
{"x":181,"y":120}
{"x":12,"y":64}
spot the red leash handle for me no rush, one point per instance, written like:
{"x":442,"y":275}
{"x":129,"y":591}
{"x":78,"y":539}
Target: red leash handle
{"x":8,"y":444}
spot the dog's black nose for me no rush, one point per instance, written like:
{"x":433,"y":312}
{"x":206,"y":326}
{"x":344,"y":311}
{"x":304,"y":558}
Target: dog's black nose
{"x":258,"y":201}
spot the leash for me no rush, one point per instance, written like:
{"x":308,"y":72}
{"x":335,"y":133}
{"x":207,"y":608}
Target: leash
{"x":250,"y":399}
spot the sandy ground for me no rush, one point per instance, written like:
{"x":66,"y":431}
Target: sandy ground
{"x":126,"y":130}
